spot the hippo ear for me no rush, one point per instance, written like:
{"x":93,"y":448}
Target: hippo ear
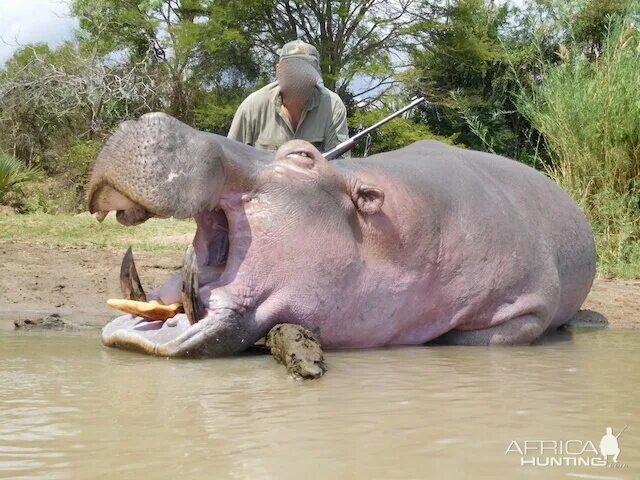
{"x":367,"y":199}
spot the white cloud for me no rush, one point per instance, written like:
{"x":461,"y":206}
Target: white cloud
{"x":29,"y":21}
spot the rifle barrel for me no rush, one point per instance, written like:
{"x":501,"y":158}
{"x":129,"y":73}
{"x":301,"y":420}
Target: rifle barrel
{"x":351,"y":142}
{"x":622,"y":431}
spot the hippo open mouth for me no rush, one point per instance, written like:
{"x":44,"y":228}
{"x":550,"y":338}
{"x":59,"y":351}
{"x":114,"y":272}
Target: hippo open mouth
{"x":232,"y":286}
{"x":173,"y":326}
{"x":125,"y":179}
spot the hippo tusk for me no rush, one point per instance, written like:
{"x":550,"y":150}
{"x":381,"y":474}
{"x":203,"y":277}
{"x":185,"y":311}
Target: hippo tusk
{"x":152,"y":310}
{"x":192,"y":304}
{"x":129,"y":280}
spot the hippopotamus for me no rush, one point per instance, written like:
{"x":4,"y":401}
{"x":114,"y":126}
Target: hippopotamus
{"x":427,"y":243}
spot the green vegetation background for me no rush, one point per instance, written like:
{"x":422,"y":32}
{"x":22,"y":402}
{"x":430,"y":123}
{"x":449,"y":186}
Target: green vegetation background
{"x":552,"y":83}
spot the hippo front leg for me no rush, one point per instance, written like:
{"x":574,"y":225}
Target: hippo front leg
{"x":518,"y":331}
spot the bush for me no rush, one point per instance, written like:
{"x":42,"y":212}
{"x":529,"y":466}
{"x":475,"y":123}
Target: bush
{"x":13,"y":174}
{"x":52,"y":195}
{"x":588,"y":113}
{"x":398,"y":133}
{"x":63,"y":191}
{"x":75,"y":168}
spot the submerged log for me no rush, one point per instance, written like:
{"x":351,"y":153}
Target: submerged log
{"x":298,"y":350}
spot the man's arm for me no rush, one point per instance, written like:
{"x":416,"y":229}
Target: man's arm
{"x":240,"y":129}
{"x":338,"y":130}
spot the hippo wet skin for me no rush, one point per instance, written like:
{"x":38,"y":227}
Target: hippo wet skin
{"x":400,"y":248}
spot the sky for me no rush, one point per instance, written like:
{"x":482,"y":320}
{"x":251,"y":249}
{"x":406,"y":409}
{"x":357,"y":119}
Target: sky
{"x":29,"y":21}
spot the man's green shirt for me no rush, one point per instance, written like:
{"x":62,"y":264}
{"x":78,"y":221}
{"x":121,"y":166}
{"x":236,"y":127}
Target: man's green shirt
{"x":259,"y":120}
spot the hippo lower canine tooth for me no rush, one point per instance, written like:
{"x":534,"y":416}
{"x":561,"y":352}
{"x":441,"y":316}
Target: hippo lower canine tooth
{"x":190,"y":289}
{"x":129,"y":280}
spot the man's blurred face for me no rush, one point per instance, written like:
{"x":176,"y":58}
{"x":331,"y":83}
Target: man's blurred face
{"x":297,"y":79}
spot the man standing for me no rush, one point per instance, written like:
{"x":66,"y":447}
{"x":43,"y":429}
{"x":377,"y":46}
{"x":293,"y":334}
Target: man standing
{"x":297,"y":105}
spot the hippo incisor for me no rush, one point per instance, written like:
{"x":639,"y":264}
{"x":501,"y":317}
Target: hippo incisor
{"x":400,"y":248}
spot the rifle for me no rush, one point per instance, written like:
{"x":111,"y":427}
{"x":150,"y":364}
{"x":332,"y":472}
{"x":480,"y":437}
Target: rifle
{"x":625,"y":427}
{"x":348,"y":144}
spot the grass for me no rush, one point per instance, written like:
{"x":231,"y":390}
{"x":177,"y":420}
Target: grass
{"x":588,"y":113}
{"x":83,"y":229}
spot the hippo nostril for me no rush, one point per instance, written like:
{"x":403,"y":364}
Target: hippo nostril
{"x":133,"y":216}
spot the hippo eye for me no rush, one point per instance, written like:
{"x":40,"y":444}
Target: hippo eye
{"x":302,"y":158}
{"x":300,"y":153}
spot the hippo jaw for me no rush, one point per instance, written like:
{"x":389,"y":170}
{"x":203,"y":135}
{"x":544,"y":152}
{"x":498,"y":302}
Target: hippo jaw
{"x":222,"y":331}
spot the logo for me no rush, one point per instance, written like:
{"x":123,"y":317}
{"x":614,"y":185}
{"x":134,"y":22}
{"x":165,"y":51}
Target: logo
{"x":569,"y":453}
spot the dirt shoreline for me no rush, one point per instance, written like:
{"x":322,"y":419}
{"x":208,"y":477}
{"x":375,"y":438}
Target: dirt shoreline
{"x":75,"y":281}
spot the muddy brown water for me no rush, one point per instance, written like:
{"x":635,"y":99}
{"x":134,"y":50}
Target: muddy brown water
{"x":71,"y":408}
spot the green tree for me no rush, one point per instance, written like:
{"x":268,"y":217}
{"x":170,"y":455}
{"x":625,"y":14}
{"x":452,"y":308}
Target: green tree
{"x":191,"y":42}
{"x":49,"y":97}
{"x":398,"y":133}
{"x":466,"y":72}
{"x":360,"y":42}
{"x":590,"y":26}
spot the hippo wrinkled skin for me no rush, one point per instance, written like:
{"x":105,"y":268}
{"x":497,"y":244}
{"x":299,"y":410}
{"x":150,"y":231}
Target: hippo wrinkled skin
{"x":400,"y":248}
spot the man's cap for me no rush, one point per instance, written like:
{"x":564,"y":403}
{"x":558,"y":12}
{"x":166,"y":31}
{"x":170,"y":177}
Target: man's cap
{"x":301,"y":50}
